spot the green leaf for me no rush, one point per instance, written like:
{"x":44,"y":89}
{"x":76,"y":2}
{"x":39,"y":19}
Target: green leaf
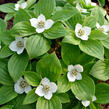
{"x":77,"y":18}
{"x":98,"y":35}
{"x":63,"y":84}
{"x":22,"y":29}
{"x":30,"y":3}
{"x":2,"y":25}
{"x":6,"y":38}
{"x":100,"y":70}
{"x":17,"y":64}
{"x":5,"y":52}
{"x":102,"y":93}
{"x":49,"y":67}
{"x":21,"y":15}
{"x":90,"y":21}
{"x":18,"y":103}
{"x":97,"y":12}
{"x":54,"y":103}
{"x":63,"y":14}
{"x":7,"y":107}
{"x":69,"y":52}
{"x":56,"y":31}
{"x":32,"y":78}
{"x":39,"y":45}
{"x":7,"y":94}
{"x":5,"y":78}
{"x":71,"y":39}
{"x":93,"y":48}
{"x":31,"y":97}
{"x":84,"y":89}
{"x":105,"y":43}
{"x":101,"y":2}
{"x":45,"y":7}
{"x":8,"y":17}
{"x":64,"y":97}
{"x":7,"y":8}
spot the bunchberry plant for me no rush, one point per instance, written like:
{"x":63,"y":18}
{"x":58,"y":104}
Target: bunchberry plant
{"x":55,"y":56}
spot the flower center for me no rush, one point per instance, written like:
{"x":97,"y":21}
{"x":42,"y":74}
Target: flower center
{"x":46,"y":88}
{"x":81,"y":32}
{"x":23,"y":84}
{"x":20,"y":44}
{"x":41,"y":24}
{"x":102,"y":29}
{"x":74,"y":72}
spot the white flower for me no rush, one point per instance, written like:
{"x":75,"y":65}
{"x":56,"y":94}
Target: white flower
{"x":18,"y":45}
{"x":82,"y":32}
{"x":22,"y":86}
{"x":22,"y":5}
{"x":89,"y":2}
{"x":103,"y":28}
{"x":41,"y":24}
{"x":74,"y":72}
{"x":81,"y":9}
{"x":87,"y":103}
{"x":46,"y":89}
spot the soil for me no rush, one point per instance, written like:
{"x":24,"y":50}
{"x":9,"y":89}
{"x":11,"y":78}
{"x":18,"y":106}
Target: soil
{"x":56,"y":46}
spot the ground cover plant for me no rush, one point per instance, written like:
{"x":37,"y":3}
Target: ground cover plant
{"x":55,"y":55}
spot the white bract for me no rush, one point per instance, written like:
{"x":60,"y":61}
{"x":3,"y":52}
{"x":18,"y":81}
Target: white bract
{"x":20,"y":5}
{"x":89,"y":2}
{"x":81,"y":9}
{"x":22,"y":86}
{"x":87,"y":103}
{"x":41,"y":24}
{"x":18,"y":45}
{"x":46,"y":89}
{"x":103,"y":28}
{"x":74,"y":72}
{"x":82,"y":32}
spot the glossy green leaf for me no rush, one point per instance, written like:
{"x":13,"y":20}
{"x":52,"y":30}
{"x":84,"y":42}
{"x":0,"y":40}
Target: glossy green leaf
{"x":39,"y":45}
{"x":64,"y":97}
{"x":7,"y":107}
{"x":7,"y":8}
{"x":5,"y":52}
{"x":17,"y":64}
{"x":98,"y":35}
{"x":21,"y":15}
{"x":49,"y":67}
{"x":31,"y":97}
{"x":32,"y":78}
{"x":54,"y":103}
{"x":45,"y":7}
{"x":63,"y":14}
{"x":100,"y":70}
{"x":5,"y":78}
{"x":84,"y":89}
{"x":93,"y":48}
{"x":63,"y":84}
{"x":90,"y":21}
{"x":7,"y":93}
{"x":2,"y":25}
{"x":102,"y":93}
{"x":56,"y":31}
{"x":22,"y":29}
{"x":69,"y":52}
{"x":105,"y":43}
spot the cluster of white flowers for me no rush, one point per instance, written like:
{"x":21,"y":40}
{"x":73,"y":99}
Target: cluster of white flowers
{"x":82,"y":32}
{"x":46,"y":89}
{"x":86,"y":102}
{"x":22,"y":86}
{"x":89,"y":2}
{"x":41,"y":24}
